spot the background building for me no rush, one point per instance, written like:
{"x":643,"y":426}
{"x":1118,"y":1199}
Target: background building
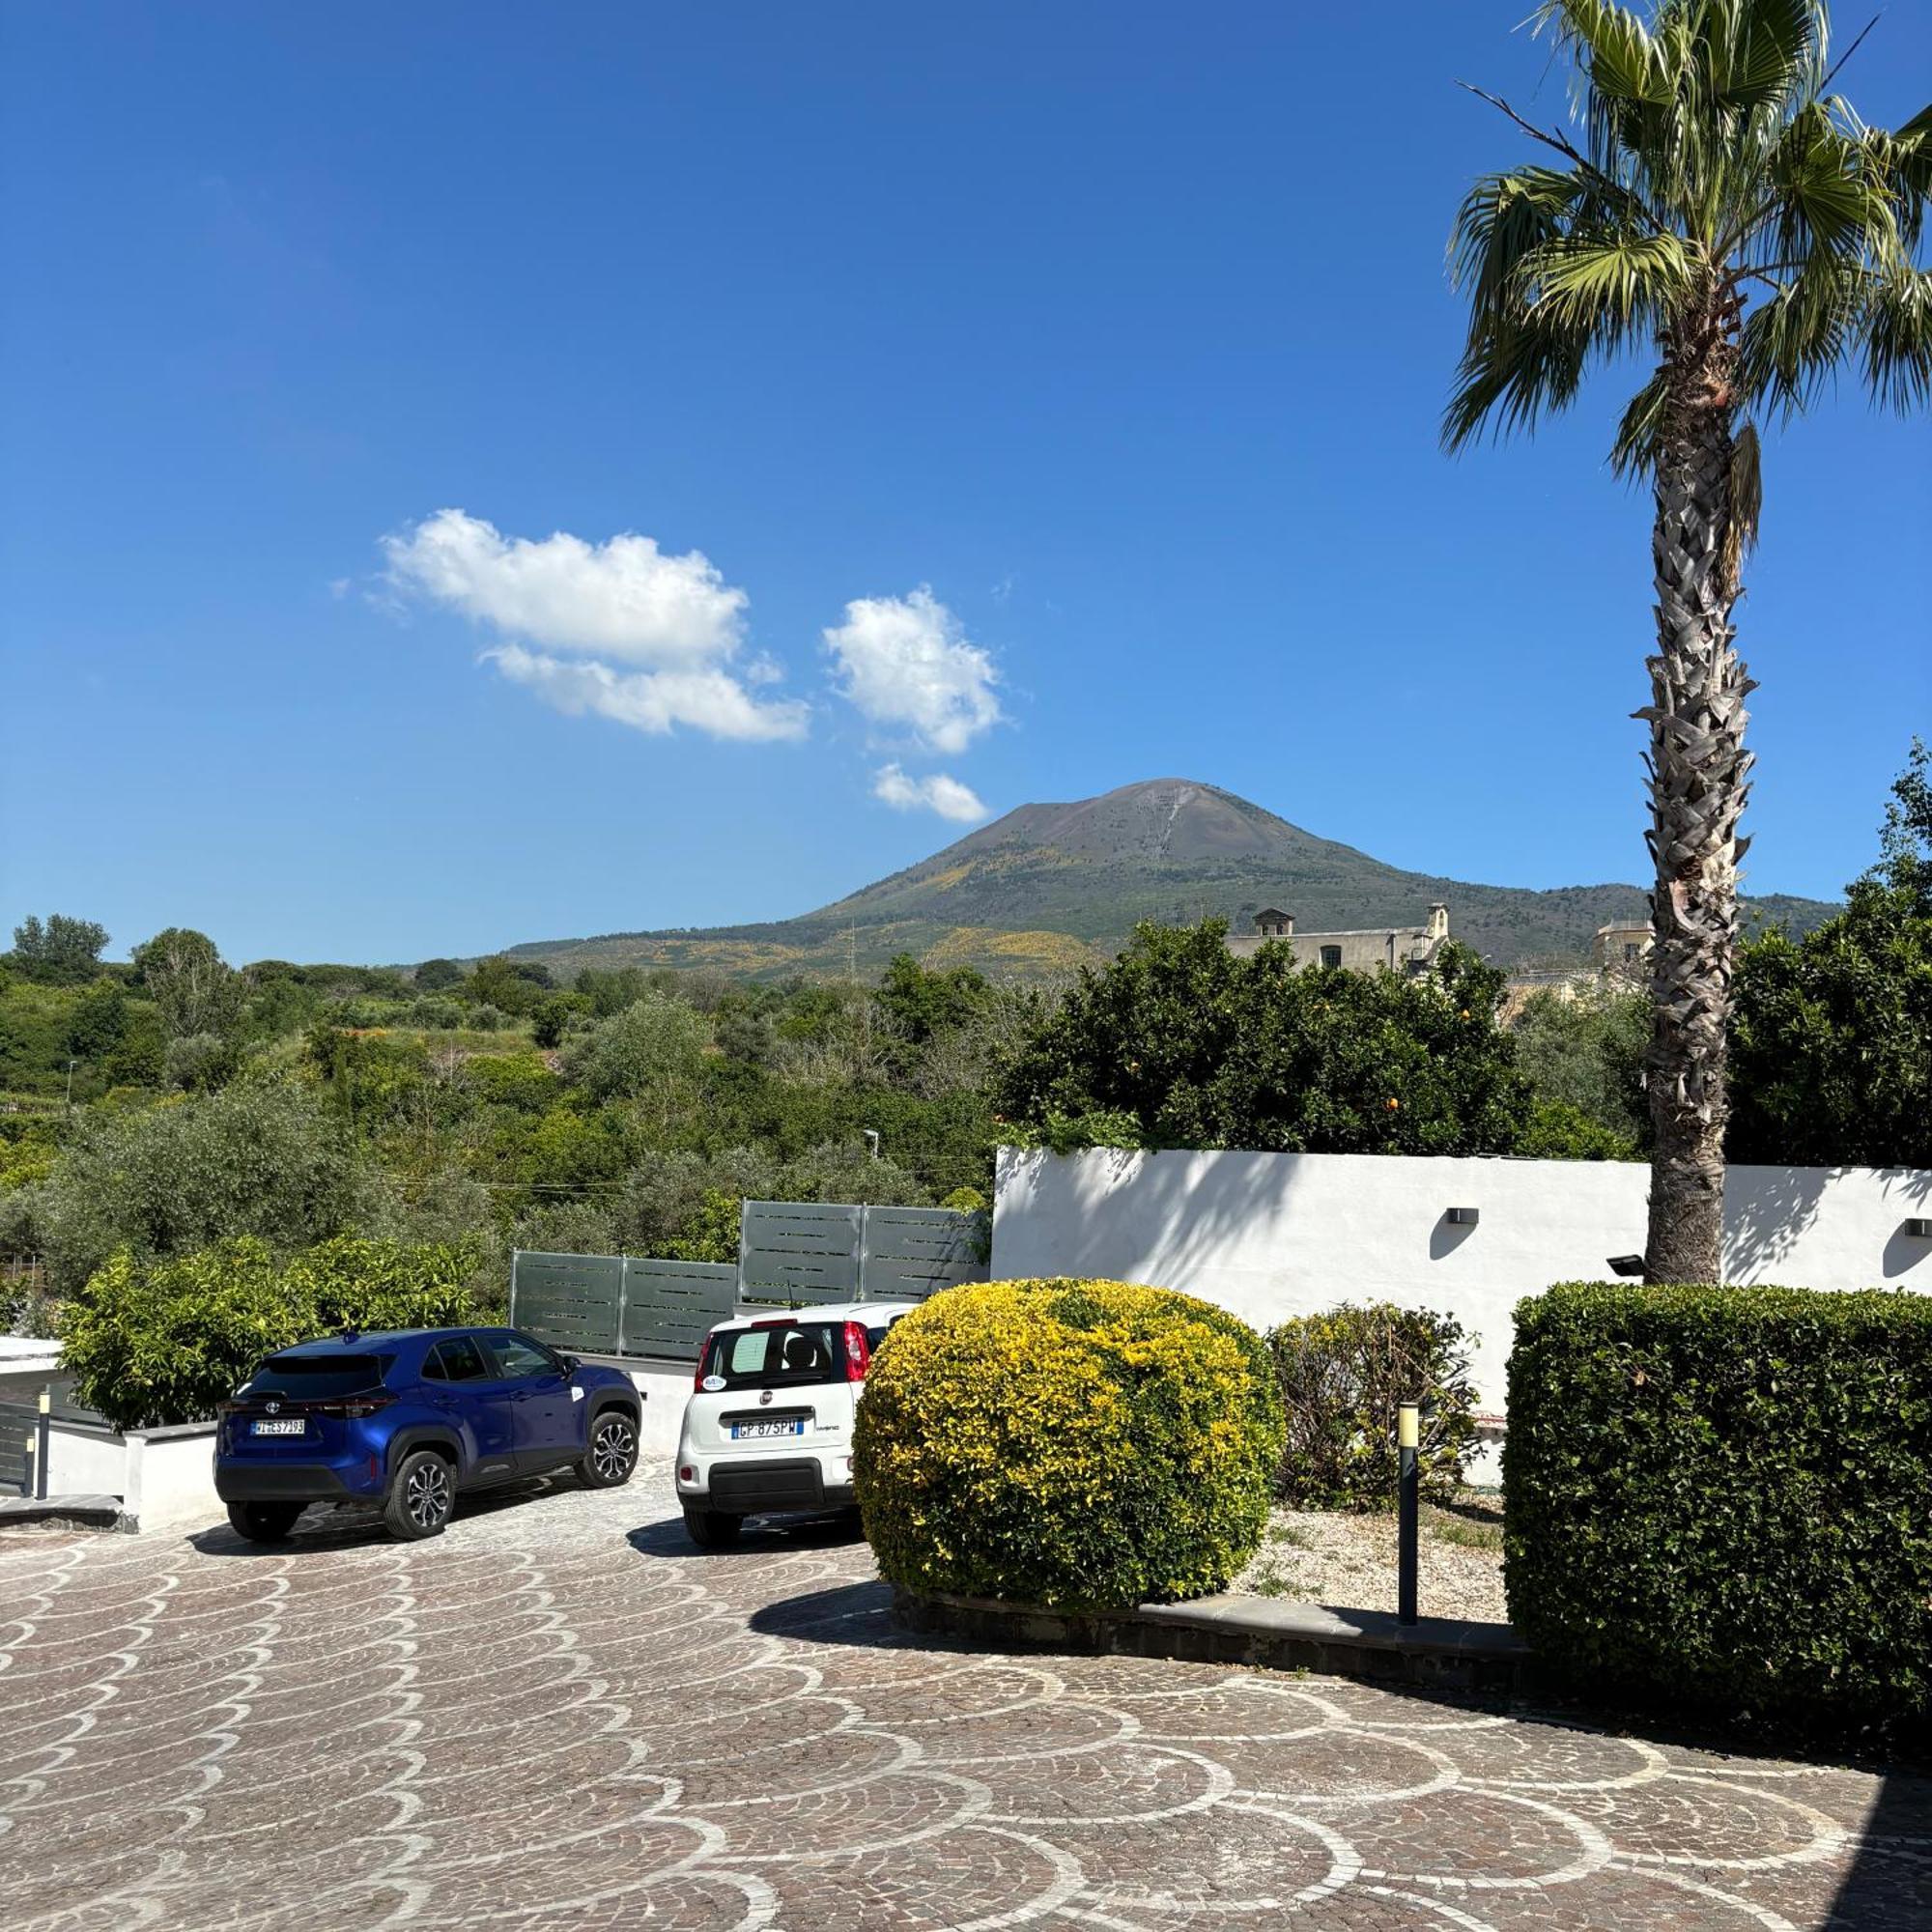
{"x":1410,"y":951}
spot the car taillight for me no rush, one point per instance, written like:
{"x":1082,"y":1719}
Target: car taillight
{"x":353,"y":1409}
{"x":858,"y":1352}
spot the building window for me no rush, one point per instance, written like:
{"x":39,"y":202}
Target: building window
{"x":1630,"y":949}
{"x":1331,"y":955}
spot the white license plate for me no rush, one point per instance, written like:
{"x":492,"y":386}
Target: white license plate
{"x":740,"y":1430}
{"x":292,"y":1425}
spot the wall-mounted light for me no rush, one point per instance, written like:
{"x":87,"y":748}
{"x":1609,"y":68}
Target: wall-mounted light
{"x":1919,"y":1231}
{"x":1628,"y":1266}
{"x":1464,"y":1217}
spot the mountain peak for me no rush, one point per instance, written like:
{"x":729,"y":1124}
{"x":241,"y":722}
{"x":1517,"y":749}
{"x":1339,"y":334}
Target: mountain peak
{"x":1055,"y":885}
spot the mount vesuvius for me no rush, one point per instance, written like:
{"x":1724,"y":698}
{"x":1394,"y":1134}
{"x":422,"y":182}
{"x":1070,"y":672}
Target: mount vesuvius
{"x":1050,"y":886}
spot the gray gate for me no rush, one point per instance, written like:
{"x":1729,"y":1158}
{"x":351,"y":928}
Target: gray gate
{"x":791,"y":1254}
{"x":620,"y":1304}
{"x":19,"y":1426}
{"x":807,"y":1252}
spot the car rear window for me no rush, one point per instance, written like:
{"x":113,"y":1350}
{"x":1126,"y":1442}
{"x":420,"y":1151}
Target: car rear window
{"x":319,"y":1376}
{"x":795,"y":1355}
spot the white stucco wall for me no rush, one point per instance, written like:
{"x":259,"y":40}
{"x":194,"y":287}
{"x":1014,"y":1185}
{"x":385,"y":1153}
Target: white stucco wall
{"x":161,"y":1475}
{"x":171,"y":1476}
{"x":85,"y":1462}
{"x":1271,"y":1235}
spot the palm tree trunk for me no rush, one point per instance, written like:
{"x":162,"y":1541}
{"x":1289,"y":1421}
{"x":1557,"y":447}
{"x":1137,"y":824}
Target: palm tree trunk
{"x":1697,"y":764}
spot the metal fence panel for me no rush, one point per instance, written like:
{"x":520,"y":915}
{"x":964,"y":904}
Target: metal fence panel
{"x":669,"y":1307}
{"x":19,"y":1424}
{"x":913,"y":1252}
{"x":572,"y":1301}
{"x":799,"y":1253}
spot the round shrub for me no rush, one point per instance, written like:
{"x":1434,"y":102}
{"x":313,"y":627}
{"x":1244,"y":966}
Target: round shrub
{"x":1082,"y":1444}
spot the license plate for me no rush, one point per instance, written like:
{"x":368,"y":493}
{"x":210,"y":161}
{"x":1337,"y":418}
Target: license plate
{"x":292,"y":1425}
{"x":742,"y":1430}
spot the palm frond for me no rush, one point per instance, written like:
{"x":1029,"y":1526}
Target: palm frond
{"x":1760,"y":53}
{"x":1633,"y":454}
{"x":1719,"y":204}
{"x":1900,"y":166}
{"x":1897,"y":331}
{"x":1608,"y":280}
{"x":1523,"y":367}
{"x":1789,"y":345}
{"x":1746,"y":498}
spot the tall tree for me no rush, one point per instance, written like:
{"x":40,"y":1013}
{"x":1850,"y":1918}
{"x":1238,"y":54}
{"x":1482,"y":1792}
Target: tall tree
{"x":1718,"y":212}
{"x":192,"y":986}
{"x":63,"y":949}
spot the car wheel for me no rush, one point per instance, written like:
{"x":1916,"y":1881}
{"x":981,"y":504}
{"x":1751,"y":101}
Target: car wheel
{"x":712,"y":1529}
{"x":612,"y":1453}
{"x":264,"y":1522}
{"x":421,"y":1496}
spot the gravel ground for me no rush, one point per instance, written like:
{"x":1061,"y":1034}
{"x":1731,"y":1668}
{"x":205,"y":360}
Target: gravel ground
{"x":1348,"y":1562}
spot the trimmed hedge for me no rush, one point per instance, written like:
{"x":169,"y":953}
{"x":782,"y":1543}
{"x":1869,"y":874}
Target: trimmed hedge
{"x":1343,"y":1375}
{"x":1081,"y":1444}
{"x":158,"y":1342}
{"x":1722,"y":1496}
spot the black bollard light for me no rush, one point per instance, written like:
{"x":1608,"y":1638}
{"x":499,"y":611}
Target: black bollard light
{"x":1408,"y":1493}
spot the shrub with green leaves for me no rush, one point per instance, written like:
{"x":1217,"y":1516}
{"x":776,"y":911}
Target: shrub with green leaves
{"x":1343,"y":1375}
{"x":156,"y":1342}
{"x":1085,"y":1444}
{"x":1718,"y":1497}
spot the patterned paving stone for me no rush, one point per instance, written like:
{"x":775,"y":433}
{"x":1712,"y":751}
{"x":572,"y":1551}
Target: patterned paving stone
{"x":559,"y":1715}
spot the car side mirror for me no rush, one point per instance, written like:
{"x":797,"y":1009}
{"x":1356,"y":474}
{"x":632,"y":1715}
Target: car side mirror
{"x":569,"y":1364}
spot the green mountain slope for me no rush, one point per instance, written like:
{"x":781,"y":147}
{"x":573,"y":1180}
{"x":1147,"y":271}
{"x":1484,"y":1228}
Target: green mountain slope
{"x":1049,"y":886}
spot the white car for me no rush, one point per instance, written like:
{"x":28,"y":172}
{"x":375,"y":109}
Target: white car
{"x":769,"y":1424}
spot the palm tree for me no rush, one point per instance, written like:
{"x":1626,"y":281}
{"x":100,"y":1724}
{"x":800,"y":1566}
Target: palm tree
{"x":1722,"y":214}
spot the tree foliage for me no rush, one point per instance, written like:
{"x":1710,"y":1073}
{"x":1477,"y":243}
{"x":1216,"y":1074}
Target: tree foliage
{"x":60,"y":949}
{"x":192,"y":987}
{"x":254,"y":1159}
{"x":1832,"y":1037}
{"x":1198,"y":1048}
{"x":155,"y":1341}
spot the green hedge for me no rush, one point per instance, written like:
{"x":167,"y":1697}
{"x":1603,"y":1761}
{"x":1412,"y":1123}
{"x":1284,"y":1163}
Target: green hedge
{"x":1085,"y":1444}
{"x":1343,"y":1375}
{"x":1722,"y":1496}
{"x":151,"y":1342}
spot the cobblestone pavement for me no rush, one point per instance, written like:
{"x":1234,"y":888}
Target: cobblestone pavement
{"x":560,"y":1715}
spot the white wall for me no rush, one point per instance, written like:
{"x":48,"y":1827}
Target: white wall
{"x":1271,"y":1235}
{"x":161,"y":1475}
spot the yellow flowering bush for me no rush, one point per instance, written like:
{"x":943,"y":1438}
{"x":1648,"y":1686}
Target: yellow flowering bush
{"x":1082,"y":1444}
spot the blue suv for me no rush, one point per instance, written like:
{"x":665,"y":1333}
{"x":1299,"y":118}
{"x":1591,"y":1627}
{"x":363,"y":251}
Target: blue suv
{"x":404,"y":1421}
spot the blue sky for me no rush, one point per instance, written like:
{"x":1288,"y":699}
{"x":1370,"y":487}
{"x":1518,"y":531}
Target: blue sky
{"x":1006,"y":402}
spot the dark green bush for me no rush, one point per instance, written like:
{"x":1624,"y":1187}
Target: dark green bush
{"x":158,"y":1342}
{"x":1722,"y":1496}
{"x":1343,"y":1375}
{"x":1078,"y":1443}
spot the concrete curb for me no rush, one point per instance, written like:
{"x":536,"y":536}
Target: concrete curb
{"x":91,"y":1512}
{"x":1435,"y":1653}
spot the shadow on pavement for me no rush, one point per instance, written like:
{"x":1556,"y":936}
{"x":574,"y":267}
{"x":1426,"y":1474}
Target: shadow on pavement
{"x":762,"y":1536}
{"x":855,"y":1613}
{"x":1890,"y":1888}
{"x":332,"y":1526}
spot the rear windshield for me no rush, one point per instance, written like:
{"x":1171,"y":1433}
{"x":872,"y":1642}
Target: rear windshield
{"x":317,"y":1375}
{"x":794,"y":1355}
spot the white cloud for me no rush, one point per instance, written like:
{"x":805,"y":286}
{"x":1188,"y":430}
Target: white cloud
{"x":620,"y":628}
{"x":706,"y":699}
{"x":907,"y":661}
{"x":938,"y":793}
